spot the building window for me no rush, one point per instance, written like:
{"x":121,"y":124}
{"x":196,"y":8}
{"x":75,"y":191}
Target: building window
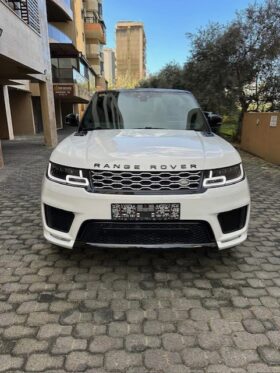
{"x":100,"y":10}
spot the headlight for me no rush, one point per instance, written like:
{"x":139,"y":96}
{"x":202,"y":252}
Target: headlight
{"x":67,"y":175}
{"x":224,"y":176}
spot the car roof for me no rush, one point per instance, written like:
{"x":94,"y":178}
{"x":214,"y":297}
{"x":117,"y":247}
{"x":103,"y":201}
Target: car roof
{"x":144,"y":90}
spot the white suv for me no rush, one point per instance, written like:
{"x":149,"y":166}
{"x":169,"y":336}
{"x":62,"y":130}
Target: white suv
{"x":144,"y":169}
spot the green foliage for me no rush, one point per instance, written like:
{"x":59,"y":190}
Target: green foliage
{"x":232,"y":67}
{"x":171,"y":76}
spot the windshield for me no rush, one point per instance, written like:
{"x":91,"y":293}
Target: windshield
{"x":144,"y":110}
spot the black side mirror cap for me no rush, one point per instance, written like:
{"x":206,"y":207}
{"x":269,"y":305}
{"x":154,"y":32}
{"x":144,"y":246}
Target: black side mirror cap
{"x":214,"y":120}
{"x":72,"y":120}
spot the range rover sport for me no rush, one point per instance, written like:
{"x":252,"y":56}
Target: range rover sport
{"x":144,"y":169}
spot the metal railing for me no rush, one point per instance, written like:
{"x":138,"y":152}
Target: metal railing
{"x":28,"y":11}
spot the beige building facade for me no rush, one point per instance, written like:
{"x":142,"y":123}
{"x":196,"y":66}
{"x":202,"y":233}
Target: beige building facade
{"x":74,"y":80}
{"x":46,"y":68}
{"x":110,"y":66}
{"x":24,"y":58}
{"x":130,"y":53}
{"x":95,"y":36}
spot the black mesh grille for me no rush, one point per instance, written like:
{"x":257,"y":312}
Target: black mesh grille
{"x":145,"y":233}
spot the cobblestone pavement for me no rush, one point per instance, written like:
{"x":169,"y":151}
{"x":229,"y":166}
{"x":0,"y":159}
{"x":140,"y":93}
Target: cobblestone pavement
{"x":135,"y":311}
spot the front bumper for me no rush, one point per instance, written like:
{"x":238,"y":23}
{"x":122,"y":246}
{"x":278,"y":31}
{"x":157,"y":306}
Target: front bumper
{"x":194,"y":207}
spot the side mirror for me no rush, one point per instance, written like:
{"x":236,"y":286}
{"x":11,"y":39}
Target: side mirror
{"x":214,"y":120}
{"x":72,"y":120}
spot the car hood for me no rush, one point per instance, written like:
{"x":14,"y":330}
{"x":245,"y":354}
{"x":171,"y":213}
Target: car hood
{"x":145,"y":150}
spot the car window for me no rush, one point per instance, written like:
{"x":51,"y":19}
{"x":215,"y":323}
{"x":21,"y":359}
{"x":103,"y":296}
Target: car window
{"x":144,"y":110}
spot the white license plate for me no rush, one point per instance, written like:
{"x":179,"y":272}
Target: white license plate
{"x":145,"y":212}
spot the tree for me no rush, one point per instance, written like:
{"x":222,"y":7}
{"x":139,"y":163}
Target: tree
{"x":206,"y":72}
{"x":232,"y":67}
{"x":171,"y":76}
{"x":125,"y":81}
{"x":239,"y":62}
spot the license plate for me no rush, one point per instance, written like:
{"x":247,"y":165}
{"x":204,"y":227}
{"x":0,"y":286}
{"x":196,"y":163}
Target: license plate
{"x":145,"y":212}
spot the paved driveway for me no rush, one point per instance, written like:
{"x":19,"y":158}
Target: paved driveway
{"x":135,"y":311}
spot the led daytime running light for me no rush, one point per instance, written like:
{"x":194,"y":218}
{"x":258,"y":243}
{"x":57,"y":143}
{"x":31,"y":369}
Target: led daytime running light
{"x":217,"y":181}
{"x":70,"y":179}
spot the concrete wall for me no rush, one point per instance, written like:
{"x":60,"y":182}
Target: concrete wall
{"x":22,"y":112}
{"x":19,"y":42}
{"x":35,"y":89}
{"x":109,"y":65}
{"x":23,"y":50}
{"x":79,"y":28}
{"x":23,"y":85}
{"x":260,"y":138}
{"x":46,"y":88}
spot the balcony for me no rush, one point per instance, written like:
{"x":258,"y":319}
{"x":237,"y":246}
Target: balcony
{"x":60,"y":43}
{"x":28,"y":11}
{"x":59,"y":10}
{"x":93,"y":51}
{"x":91,"y":5}
{"x":95,"y":30}
{"x":97,"y":69}
{"x":21,"y":50}
{"x":94,"y":8}
{"x":71,"y":86}
{"x":101,"y":84}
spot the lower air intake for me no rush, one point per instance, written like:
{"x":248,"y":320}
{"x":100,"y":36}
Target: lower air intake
{"x":146,"y":233}
{"x":233,"y":220}
{"x":58,"y":219}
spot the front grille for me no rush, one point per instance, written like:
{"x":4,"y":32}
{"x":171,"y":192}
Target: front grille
{"x":146,"y":233}
{"x":143,"y":182}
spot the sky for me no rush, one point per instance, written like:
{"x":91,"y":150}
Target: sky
{"x":166,"y":22}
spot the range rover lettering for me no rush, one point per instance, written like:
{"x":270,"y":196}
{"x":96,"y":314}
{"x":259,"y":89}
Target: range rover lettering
{"x":144,"y":169}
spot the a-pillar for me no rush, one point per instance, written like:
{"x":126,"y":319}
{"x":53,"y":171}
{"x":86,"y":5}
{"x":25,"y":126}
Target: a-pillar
{"x":48,"y":113}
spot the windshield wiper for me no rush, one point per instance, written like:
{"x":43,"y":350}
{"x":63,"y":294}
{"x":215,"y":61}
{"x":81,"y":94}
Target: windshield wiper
{"x":149,"y":128}
{"x":91,"y":129}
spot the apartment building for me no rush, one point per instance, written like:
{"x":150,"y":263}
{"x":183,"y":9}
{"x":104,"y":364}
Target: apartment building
{"x":76,"y":43}
{"x":110,"y":66}
{"x":130,"y":52}
{"x":95,"y":35}
{"x":47,"y":65}
{"x":24,"y":58}
{"x":74,"y":80}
